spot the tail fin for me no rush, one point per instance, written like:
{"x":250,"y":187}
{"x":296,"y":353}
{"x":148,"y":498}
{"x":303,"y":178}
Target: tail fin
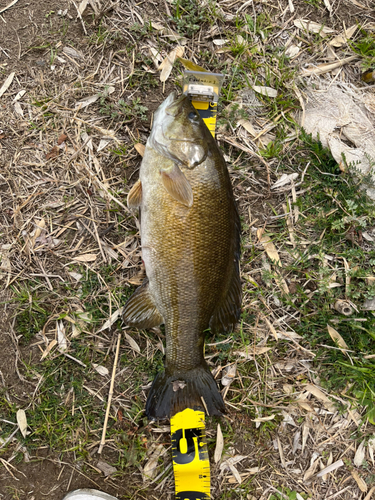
{"x":172,"y":393}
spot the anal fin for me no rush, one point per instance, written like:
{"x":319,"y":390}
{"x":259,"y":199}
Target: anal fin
{"x":140,"y":310}
{"x":135,"y":195}
{"x":176,"y":184}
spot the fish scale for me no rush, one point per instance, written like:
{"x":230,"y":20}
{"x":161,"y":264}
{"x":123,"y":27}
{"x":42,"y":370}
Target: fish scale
{"x":190,"y":247}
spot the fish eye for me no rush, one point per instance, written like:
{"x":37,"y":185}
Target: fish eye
{"x":193,"y":116}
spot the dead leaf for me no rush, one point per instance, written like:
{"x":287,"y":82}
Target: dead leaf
{"x":82,"y":6}
{"x":343,"y":37}
{"x":18,"y":108}
{"x":177,"y":385}
{"x":371,"y":449}
{"x":320,"y":69}
{"x":69,"y":51}
{"x":354,"y":2}
{"x":50,"y":346}
{"x":150,"y":469}
{"x":220,"y":42}
{"x":61,"y":139}
{"x":107,"y":469}
{"x":88,"y":257}
{"x":249,"y":354}
{"x":219,"y":444}
{"x":61,"y":337}
{"x":20,"y":94}
{"x":54,"y":153}
{"x":189,"y":65}
{"x":308,"y":25}
{"x":102,"y":370}
{"x":140,"y":148}
{"x":110,"y":321}
{"x":359,"y":455}
{"x":22,"y":422}
{"x":284,"y":179}
{"x":292,"y":50}
{"x":7,"y":83}
{"x":268,"y":246}
{"x":247,"y":126}
{"x":315,"y":391}
{"x":336,"y":337}
{"x":263,"y":419}
{"x":167,"y":65}
{"x":328,"y":5}
{"x":267,"y":91}
{"x":361,"y":484}
{"x":229,"y":373}
{"x":133,"y":344}
{"x":76,"y":276}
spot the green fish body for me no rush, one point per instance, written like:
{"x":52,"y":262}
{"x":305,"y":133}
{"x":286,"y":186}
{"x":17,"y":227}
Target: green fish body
{"x":190,"y":234}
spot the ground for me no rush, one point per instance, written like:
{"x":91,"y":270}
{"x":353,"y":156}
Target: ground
{"x":301,"y":398}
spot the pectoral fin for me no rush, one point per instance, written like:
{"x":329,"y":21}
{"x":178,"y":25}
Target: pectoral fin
{"x":140,"y":310}
{"x":135,"y":195}
{"x":175,"y":182}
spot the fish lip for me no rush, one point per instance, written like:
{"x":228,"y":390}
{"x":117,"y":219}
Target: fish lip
{"x":175,"y":106}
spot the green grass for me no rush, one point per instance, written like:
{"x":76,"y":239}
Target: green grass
{"x":335,"y":209}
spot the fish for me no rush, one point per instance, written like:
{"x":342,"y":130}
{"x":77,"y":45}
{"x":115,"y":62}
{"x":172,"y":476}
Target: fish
{"x":190,"y":238}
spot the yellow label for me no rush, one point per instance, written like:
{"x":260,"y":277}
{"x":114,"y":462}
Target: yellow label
{"x":208,"y":112}
{"x":190,"y":456}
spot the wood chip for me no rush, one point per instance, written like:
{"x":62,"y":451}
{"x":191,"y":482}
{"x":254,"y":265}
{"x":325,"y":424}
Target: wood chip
{"x":330,"y":468}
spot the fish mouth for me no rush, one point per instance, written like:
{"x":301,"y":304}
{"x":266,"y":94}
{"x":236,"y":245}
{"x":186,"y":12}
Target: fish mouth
{"x":175,"y":107}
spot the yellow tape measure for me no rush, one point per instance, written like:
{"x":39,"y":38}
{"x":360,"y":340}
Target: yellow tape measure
{"x":208,"y":112}
{"x":203,"y":88}
{"x":190,"y":456}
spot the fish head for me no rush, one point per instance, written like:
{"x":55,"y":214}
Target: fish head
{"x":179,"y":133}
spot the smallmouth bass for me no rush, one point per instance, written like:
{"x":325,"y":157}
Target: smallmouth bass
{"x":190,"y":235}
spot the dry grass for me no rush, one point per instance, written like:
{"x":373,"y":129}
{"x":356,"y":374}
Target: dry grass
{"x":70,"y":256}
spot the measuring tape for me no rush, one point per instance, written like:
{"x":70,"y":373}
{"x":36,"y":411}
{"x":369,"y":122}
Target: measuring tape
{"x":203,"y":88}
{"x":191,"y":465}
